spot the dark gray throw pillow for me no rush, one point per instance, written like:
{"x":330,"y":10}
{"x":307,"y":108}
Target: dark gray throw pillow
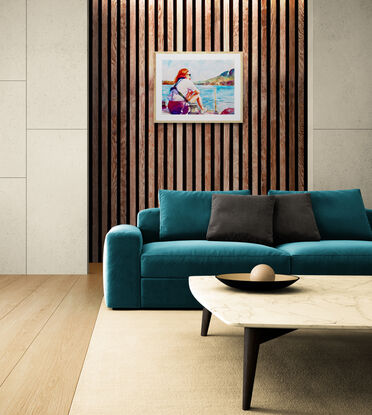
{"x":294,"y":219}
{"x":242,"y":218}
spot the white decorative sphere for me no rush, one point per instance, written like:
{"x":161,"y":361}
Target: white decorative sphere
{"x":262,"y":272}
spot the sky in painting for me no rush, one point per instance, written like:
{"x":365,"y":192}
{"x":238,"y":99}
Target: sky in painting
{"x":200,"y":69}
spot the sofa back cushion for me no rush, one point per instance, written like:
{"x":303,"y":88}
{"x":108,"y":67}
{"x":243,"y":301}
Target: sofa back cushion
{"x":148,"y":220}
{"x":185,"y":215}
{"x":340,"y":214}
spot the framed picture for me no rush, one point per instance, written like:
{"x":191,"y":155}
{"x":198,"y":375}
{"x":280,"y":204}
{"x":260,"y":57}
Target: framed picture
{"x":198,"y":87}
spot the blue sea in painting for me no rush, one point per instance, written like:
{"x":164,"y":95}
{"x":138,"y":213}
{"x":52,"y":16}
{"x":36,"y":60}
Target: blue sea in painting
{"x":224,"y":96}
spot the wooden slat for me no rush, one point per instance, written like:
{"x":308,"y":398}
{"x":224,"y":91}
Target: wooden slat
{"x":301,"y":95}
{"x":217,"y":127}
{"x":114,"y":113}
{"x":189,"y":149}
{"x":255,"y":92}
{"x":142,"y":103}
{"x":151,"y":132}
{"x":123,"y":113}
{"x":292,"y":96}
{"x":236,"y":127}
{"x":263,"y":96}
{"x":160,"y":127}
{"x":198,"y":127}
{"x":170,"y":133}
{"x":20,"y":326}
{"x":180,"y":148}
{"x":282,"y":101}
{"x":246,"y":18}
{"x":132,"y":112}
{"x":273,"y":92}
{"x":104,"y":120}
{"x":163,"y":156}
{"x":226,"y":127}
{"x":95,"y":115}
{"x":54,"y":360}
{"x":207,"y":136}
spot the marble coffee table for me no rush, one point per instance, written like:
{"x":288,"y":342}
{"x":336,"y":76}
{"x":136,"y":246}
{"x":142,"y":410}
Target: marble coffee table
{"x":313,"y":302}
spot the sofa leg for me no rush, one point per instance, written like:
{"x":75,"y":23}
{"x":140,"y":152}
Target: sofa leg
{"x":206,"y":319}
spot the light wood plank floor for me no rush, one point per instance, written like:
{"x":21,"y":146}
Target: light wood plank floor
{"x":46,"y":322}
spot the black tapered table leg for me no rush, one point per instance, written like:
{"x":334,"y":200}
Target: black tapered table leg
{"x":251,"y":348}
{"x":206,"y":319}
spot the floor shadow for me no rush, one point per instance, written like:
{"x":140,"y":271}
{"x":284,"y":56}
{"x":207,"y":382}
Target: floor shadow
{"x":268,"y":411}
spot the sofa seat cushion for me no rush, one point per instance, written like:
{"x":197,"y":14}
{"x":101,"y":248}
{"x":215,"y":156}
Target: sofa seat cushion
{"x":200,"y":257}
{"x":333,"y":257}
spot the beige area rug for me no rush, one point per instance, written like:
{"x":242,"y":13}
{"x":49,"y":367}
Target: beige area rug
{"x":156,"y":362}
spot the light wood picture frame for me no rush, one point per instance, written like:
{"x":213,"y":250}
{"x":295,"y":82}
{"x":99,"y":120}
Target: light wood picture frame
{"x":198,"y":87}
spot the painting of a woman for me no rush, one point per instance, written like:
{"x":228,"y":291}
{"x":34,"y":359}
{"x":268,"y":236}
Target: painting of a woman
{"x":183,"y":93}
{"x":198,"y":87}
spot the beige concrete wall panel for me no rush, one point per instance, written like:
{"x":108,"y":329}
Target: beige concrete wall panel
{"x":13,"y":226}
{"x":12,"y":129}
{"x":57,"y":64}
{"x":12,"y":40}
{"x":342,"y":64}
{"x":57,"y":202}
{"x":343,"y":160}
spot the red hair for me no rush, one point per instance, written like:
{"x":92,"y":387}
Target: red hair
{"x":181,"y":74}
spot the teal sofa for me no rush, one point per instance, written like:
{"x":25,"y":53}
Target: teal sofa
{"x":140,"y":271}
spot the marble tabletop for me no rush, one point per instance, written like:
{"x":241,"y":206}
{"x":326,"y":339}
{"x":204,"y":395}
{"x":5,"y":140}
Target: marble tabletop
{"x":314,"y":301}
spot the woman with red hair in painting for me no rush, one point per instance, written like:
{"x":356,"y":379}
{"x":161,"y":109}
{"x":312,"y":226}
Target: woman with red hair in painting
{"x":183,"y":93}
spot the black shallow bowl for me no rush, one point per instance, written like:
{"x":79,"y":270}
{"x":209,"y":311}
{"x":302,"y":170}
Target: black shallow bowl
{"x":243,"y":282}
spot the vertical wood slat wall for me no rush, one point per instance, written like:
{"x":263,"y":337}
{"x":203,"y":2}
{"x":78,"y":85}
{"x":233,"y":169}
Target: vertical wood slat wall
{"x":131,"y":157}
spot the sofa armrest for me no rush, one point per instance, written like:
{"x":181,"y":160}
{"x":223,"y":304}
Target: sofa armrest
{"x":121,"y":267}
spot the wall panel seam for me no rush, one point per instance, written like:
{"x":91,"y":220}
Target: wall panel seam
{"x":57,"y":129}
{"x":342,"y":129}
{"x":26,"y":135}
